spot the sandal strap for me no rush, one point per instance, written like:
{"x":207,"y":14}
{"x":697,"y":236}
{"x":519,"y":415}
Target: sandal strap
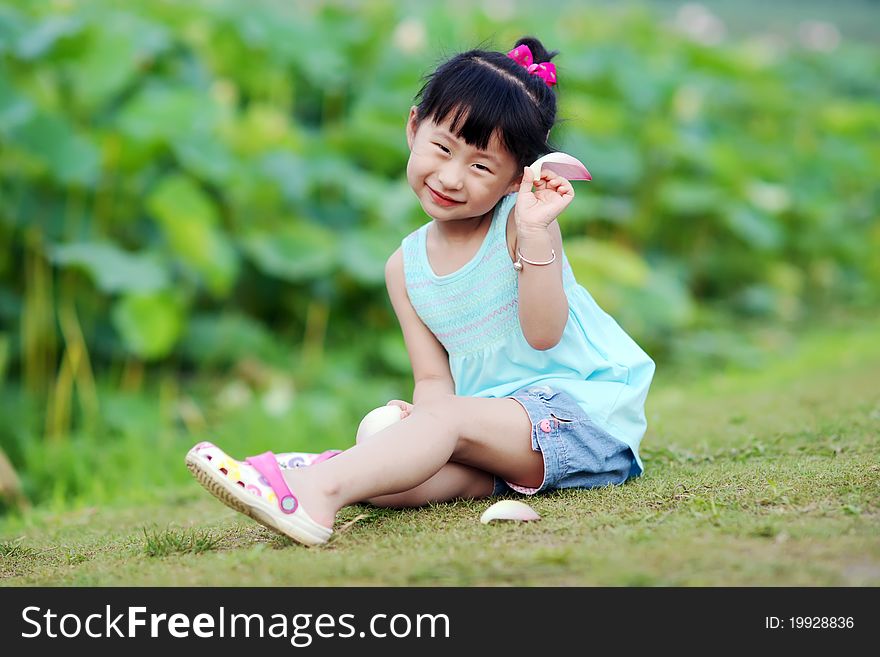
{"x":323,"y":456}
{"x":267,"y":466}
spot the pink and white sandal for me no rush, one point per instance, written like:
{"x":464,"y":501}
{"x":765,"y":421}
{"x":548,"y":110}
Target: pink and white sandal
{"x":290,"y":460}
{"x":256,"y":488}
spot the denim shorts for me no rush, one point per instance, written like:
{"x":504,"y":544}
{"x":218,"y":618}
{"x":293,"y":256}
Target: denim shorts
{"x":577,"y":453}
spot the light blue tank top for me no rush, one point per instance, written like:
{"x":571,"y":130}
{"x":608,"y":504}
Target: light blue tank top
{"x":473,"y":312}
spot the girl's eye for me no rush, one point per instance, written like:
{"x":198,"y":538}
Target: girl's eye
{"x":446,"y":150}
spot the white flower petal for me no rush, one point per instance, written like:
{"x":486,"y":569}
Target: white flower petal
{"x":376,"y":420}
{"x":509,"y":510}
{"x":563,"y":164}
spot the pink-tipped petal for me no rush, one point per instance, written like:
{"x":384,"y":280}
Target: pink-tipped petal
{"x":509,"y":510}
{"x":562,"y":164}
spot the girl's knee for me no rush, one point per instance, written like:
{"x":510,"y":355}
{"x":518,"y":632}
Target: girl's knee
{"x":443,"y":408}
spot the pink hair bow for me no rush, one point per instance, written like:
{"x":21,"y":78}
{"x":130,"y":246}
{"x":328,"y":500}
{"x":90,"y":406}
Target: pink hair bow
{"x":522,"y":55}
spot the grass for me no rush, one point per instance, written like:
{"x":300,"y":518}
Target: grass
{"x":175,"y":541}
{"x":754,"y":477}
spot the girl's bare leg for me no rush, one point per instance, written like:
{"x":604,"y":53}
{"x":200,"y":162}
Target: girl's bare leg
{"x":493,"y":435}
{"x":452,"y":481}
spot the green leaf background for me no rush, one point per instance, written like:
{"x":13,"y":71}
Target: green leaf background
{"x":247,"y":159}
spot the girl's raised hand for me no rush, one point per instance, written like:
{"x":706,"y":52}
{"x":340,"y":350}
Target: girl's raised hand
{"x":538,"y":208}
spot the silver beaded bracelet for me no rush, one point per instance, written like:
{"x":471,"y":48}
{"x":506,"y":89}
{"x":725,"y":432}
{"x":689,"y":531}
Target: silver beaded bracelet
{"x":519,"y":260}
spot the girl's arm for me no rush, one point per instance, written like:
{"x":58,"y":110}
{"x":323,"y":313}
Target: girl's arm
{"x":426,"y":389}
{"x":430,"y":362}
{"x":543,"y":306}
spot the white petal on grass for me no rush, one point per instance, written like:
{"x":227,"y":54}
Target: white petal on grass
{"x":509,"y":510}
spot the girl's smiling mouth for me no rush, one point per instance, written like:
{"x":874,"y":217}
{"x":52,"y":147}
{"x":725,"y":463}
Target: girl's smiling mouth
{"x":439,"y":199}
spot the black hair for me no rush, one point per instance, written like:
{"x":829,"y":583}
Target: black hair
{"x":488,"y":92}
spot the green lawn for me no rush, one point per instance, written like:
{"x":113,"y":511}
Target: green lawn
{"x":762,"y":477}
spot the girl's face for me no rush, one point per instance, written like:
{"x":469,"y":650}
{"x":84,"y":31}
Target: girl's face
{"x":452,"y":179}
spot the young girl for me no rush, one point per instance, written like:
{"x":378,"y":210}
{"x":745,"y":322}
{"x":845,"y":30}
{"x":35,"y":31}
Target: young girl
{"x":522,"y":383}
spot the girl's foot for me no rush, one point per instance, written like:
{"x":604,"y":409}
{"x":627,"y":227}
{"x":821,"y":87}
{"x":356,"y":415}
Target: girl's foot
{"x":256,"y":488}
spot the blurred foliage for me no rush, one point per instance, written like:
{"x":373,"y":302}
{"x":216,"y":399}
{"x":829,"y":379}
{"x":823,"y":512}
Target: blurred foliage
{"x":213,"y":187}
